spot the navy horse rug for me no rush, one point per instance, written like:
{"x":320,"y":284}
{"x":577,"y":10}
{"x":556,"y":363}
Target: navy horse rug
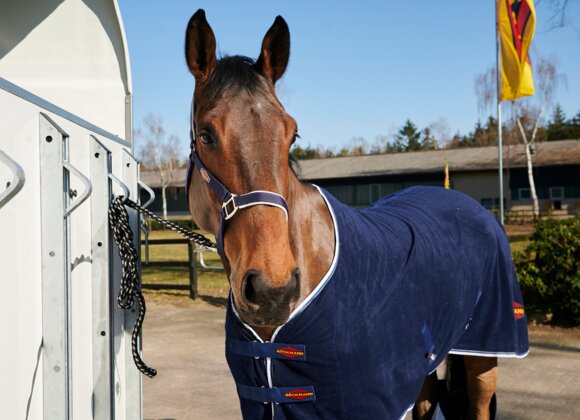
{"x":419,"y":274}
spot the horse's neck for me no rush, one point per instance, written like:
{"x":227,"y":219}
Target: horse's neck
{"x":311,"y":234}
{"x":311,"y":239}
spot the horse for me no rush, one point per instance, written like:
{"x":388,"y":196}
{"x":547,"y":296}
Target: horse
{"x":336,"y":312}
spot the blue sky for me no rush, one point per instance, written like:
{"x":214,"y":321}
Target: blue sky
{"x":355,"y":71}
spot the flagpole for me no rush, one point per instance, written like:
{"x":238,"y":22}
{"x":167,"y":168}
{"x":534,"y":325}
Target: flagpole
{"x":499,"y":139}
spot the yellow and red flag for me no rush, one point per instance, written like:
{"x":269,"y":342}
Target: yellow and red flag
{"x":517,"y":23}
{"x":446,"y":182}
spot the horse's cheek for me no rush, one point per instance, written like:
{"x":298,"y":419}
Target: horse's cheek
{"x":202,"y":216}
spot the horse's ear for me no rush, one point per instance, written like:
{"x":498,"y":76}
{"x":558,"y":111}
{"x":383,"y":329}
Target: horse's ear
{"x":200,"y":47}
{"x":275,"y":50}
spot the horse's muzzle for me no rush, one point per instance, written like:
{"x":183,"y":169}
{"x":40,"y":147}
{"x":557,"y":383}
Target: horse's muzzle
{"x":267,"y":305}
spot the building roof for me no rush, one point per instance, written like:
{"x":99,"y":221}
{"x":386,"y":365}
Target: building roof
{"x":565,"y":152}
{"x":460,"y":160}
{"x":153,"y":180}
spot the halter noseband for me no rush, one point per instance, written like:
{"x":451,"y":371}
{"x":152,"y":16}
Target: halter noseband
{"x":230,"y":202}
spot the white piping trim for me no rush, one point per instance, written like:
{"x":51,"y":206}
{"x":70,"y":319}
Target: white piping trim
{"x":318,"y":288}
{"x":308,"y":299}
{"x":326,"y":277}
{"x":270,"y":382}
{"x":256,"y":336}
{"x":406,"y":411}
{"x":488,"y":353}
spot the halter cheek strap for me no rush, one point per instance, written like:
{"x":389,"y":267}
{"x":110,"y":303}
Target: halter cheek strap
{"x":231,"y":203}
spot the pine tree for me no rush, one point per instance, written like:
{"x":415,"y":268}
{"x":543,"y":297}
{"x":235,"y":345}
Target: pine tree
{"x":408,"y":138}
{"x":428,"y":142}
{"x":558,"y":128}
{"x":302,"y":153}
{"x":574,"y":126}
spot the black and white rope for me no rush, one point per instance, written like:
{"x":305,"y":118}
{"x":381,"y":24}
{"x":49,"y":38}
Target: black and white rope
{"x":130,"y":289}
{"x":204,"y":243}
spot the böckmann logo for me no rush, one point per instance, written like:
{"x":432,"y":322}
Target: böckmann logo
{"x":299,"y":394}
{"x":290,"y":352}
{"x":518,"y":311}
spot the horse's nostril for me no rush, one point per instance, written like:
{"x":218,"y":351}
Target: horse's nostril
{"x":252,"y":283}
{"x":257,"y":291}
{"x":294,"y":285}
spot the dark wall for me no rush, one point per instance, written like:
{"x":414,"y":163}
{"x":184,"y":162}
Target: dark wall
{"x":365,"y":191}
{"x":545,"y":177}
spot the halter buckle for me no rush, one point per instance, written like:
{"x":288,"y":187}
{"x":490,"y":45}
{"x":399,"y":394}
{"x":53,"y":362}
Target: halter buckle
{"x":229,"y":207}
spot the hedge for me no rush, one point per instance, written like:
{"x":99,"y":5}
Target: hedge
{"x":549,"y":273}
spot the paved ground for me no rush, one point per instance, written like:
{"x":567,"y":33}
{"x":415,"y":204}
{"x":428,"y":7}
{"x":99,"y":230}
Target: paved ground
{"x":184,"y":341}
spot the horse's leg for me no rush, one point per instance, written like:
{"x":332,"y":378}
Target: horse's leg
{"x":427,"y":399}
{"x":481,"y":376}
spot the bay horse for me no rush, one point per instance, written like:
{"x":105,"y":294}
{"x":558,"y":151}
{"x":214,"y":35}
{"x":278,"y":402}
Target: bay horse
{"x":336,"y":312}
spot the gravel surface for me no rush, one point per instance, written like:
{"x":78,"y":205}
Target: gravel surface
{"x":184,"y":341}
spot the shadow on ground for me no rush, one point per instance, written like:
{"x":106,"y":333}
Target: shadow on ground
{"x":219,"y":302}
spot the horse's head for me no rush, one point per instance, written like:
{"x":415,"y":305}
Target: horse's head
{"x":243,"y":136}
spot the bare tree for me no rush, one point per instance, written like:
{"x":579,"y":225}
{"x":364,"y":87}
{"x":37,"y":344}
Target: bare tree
{"x":528,"y":113}
{"x":441,"y":131}
{"x":380,"y":145}
{"x":485,"y":86}
{"x":560,"y":13}
{"x":159,"y":153}
{"x":359,"y":146}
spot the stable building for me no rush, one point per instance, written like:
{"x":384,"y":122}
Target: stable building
{"x":361,"y":180}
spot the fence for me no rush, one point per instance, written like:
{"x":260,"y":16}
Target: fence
{"x":190,"y":263}
{"x":520,"y":217}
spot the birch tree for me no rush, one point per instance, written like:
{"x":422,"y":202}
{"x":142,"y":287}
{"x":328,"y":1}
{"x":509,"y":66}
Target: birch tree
{"x":561,"y":12}
{"x":159,"y":153}
{"x":527,"y":112}
{"x":547,"y":80}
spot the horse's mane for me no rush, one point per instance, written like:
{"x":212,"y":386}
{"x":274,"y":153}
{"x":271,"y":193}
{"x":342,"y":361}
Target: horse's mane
{"x":233,"y":74}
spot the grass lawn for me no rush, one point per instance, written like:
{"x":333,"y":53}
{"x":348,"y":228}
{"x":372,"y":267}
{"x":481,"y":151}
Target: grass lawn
{"x":210,"y":283}
{"x":519,"y":236}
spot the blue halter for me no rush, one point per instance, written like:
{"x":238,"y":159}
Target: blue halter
{"x":230,"y":202}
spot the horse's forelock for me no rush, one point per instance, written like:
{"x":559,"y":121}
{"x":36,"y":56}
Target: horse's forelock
{"x":232,"y":75}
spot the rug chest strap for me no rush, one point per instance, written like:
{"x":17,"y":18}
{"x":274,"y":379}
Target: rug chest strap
{"x":280,"y":395}
{"x":294,"y":352}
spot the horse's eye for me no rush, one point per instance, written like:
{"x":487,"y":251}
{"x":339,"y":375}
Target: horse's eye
{"x":206,"y":138}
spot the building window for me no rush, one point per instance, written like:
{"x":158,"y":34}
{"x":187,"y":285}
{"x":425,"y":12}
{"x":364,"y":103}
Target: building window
{"x":343,"y":193}
{"x":487,"y":203}
{"x":375,"y":192}
{"x":556,"y":193}
{"x":525,"y":194}
{"x":492,"y":203}
{"x":363,"y":195}
{"x":572,"y":192}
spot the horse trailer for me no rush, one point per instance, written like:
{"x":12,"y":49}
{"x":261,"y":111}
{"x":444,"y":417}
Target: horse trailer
{"x":65,"y":152}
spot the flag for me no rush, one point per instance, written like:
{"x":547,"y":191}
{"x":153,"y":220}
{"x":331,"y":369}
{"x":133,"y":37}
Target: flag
{"x":446,"y":182}
{"x":517,"y":23}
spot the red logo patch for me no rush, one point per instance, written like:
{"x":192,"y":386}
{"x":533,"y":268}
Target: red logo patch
{"x":299,"y":394}
{"x":204,"y":175}
{"x":518,"y":311}
{"x":290,"y":352}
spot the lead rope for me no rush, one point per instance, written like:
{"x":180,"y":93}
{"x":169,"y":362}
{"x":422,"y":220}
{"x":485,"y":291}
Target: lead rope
{"x":130,"y":289}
